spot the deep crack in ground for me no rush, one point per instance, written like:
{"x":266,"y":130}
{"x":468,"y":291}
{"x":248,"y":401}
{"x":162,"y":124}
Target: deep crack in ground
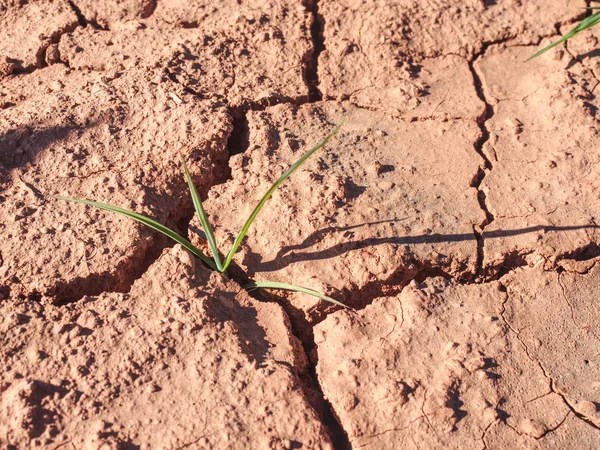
{"x":487,"y":114}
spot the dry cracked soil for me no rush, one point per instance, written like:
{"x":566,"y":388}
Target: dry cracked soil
{"x":456,"y":212}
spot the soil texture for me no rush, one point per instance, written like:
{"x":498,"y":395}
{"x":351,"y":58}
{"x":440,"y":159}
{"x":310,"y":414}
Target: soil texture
{"x":456,"y":212}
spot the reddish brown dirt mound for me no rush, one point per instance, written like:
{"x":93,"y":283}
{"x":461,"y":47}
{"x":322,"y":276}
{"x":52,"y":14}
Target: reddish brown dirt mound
{"x":457,"y":210}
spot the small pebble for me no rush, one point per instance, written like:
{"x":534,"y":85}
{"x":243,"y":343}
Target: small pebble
{"x":386,"y":185}
{"x":151,"y":388}
{"x":52,"y":54}
{"x":176,"y":98}
{"x":587,"y":408}
{"x":532,"y":428}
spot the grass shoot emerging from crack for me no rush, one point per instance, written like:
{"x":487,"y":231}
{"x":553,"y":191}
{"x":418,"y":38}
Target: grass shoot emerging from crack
{"x":216,"y":263}
{"x":586,"y":23}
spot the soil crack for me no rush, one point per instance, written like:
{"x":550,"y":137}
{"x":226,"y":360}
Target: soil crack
{"x":303,"y":331}
{"x":311,"y":59}
{"x":83,"y":21}
{"x":143,"y":258}
{"x":487,"y":167}
{"x":338,"y":435}
{"x":551,"y":381}
{"x":484,"y":170}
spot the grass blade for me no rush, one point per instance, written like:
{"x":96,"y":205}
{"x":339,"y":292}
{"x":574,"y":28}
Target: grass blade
{"x":148,"y":222}
{"x":210,"y":237}
{"x":586,"y":23}
{"x":267,"y":196}
{"x":291,"y":287}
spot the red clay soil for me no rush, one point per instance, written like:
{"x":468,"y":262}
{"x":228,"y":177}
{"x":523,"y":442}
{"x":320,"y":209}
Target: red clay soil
{"x":456,"y":211}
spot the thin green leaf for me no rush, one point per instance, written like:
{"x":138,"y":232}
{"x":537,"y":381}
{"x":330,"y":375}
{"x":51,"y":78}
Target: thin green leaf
{"x":291,"y":287}
{"x":267,"y":196}
{"x":210,"y":237}
{"x":148,"y":222}
{"x":586,"y":23}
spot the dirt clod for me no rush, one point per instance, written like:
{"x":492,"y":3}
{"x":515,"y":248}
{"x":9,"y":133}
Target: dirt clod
{"x":85,"y":135}
{"x":184,"y":343}
{"x":490,"y":384}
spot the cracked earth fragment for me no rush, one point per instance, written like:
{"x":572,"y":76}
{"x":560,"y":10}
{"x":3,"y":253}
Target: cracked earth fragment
{"x":555,"y":314}
{"x":204,"y":362}
{"x":113,"y":140}
{"x":544,"y":177}
{"x":411,"y":58}
{"x":370,"y":210}
{"x":444,"y":365}
{"x":239,"y":54}
{"x":28,"y":29}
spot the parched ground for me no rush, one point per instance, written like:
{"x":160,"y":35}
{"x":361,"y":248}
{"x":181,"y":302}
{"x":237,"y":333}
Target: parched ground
{"x":456,"y":212}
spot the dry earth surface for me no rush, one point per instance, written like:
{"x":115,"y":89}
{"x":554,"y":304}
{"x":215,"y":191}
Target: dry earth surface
{"x":456,"y":211}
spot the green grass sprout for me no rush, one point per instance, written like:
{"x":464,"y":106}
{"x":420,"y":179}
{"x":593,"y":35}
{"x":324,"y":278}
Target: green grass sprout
{"x":215,"y":263}
{"x":290,"y":287}
{"x":586,"y":23}
{"x":267,"y":196}
{"x":210,"y":237}
{"x":149,"y":223}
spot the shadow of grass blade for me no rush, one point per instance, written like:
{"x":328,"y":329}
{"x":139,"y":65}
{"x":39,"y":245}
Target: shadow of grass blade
{"x":291,"y":287}
{"x":149,"y":223}
{"x":267,"y":196}
{"x":586,"y":23}
{"x":210,"y":237}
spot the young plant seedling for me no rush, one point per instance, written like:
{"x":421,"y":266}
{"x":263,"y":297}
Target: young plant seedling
{"x":586,"y":23}
{"x":216,"y":263}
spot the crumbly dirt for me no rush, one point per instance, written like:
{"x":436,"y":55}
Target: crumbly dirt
{"x":221,"y":364}
{"x":457,"y":211}
{"x":83,"y":134}
{"x":28,"y":29}
{"x":234,"y":53}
